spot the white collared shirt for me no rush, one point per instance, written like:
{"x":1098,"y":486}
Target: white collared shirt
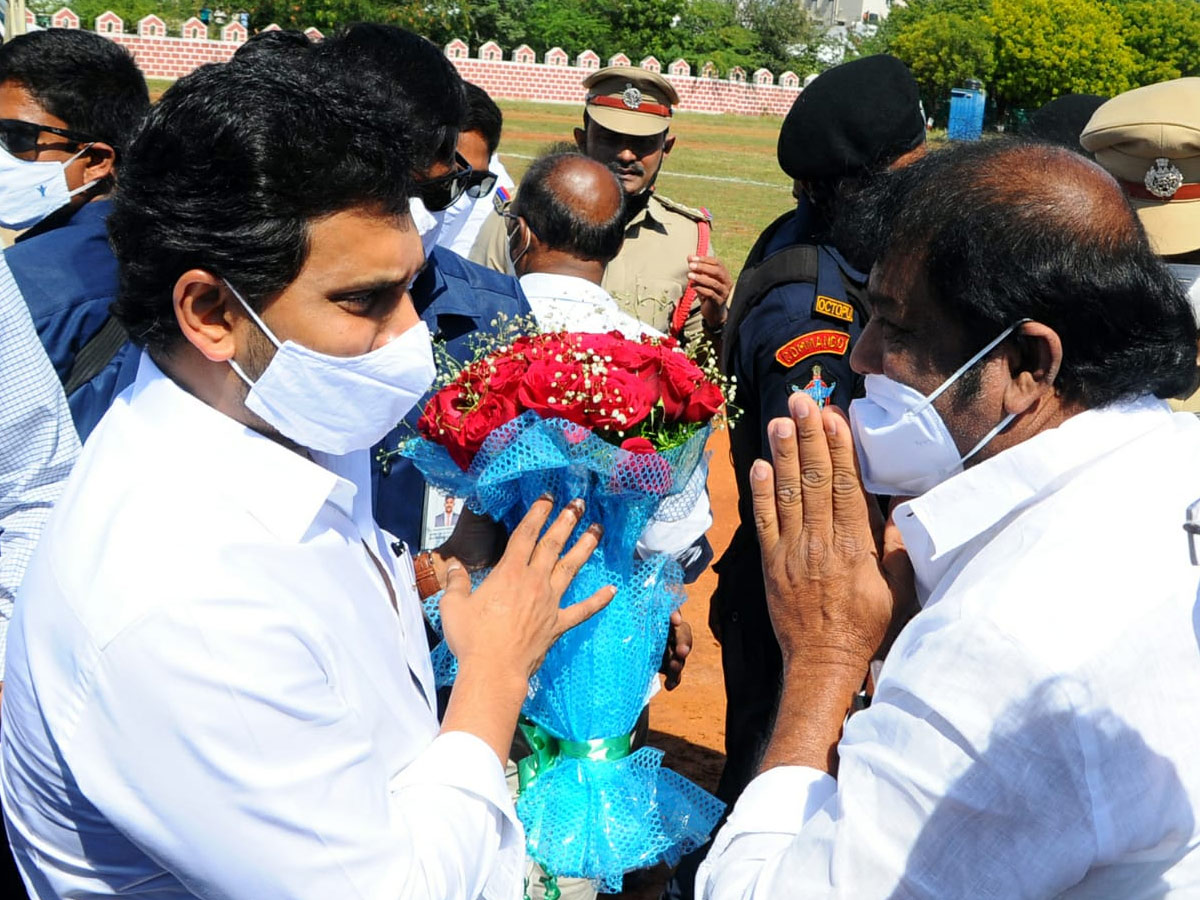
{"x":211,"y":695}
{"x":1035,"y":730}
{"x":567,"y":303}
{"x":463,"y":220}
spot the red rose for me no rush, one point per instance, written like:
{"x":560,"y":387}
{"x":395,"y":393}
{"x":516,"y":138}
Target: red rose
{"x":500,"y":374}
{"x":677,"y":379}
{"x":442,"y":422}
{"x":460,"y":420}
{"x":704,"y":403}
{"x":551,"y":388}
{"x":494,"y":410}
{"x":619,"y":401}
{"x":637,"y":445}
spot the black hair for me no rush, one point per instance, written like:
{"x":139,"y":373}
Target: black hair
{"x":88,"y":81}
{"x":1010,"y":230}
{"x":410,"y":71}
{"x":558,"y":223}
{"x":230,"y":169}
{"x":483,"y":115}
{"x":277,"y":40}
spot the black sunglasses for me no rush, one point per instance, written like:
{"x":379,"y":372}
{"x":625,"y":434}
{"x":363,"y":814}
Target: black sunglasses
{"x":19,"y":136}
{"x":480,"y":184}
{"x":440,"y":193}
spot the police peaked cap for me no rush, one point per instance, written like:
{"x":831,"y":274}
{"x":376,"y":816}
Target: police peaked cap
{"x":851,"y":118}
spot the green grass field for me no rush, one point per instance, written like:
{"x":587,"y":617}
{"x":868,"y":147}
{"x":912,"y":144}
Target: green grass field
{"x":724,"y":163}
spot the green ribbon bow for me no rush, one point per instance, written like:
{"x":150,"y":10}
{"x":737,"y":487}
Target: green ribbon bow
{"x":548,"y":750}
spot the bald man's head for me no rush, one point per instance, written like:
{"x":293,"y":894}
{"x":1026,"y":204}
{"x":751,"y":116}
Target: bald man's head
{"x":574,"y":206}
{"x":1002,"y":231}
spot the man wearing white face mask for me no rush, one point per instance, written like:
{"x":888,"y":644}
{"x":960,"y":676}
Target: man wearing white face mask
{"x":70,"y":101}
{"x":220,"y":685}
{"x":1149,"y":140}
{"x":1031,"y":731}
{"x":456,"y":298}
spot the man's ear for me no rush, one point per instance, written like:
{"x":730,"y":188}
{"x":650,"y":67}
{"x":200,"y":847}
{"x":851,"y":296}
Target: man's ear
{"x":1034,"y":360}
{"x":581,"y":140}
{"x":203,"y":311}
{"x":100,"y":161}
{"x":668,"y":144}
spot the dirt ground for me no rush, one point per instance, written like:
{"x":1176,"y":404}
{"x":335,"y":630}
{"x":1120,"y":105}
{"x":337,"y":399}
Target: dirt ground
{"x":688,"y":723}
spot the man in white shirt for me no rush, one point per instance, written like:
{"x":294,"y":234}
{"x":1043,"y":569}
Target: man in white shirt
{"x":219,"y":682}
{"x":1033,"y":728}
{"x":492,"y":186}
{"x":564,"y":228}
{"x":560,"y":240}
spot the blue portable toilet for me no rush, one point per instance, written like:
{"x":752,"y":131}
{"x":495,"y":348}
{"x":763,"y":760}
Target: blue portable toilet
{"x":966,"y":111}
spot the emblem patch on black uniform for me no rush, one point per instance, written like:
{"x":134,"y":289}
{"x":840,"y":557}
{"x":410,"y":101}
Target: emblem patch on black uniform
{"x":801,"y":348}
{"x":816,"y":388}
{"x":833,"y":309}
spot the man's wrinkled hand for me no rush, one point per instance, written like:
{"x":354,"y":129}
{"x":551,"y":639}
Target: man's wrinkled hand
{"x":679,"y":645}
{"x":835,"y":576}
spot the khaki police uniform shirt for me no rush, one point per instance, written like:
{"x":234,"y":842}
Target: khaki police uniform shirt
{"x":647,"y":277}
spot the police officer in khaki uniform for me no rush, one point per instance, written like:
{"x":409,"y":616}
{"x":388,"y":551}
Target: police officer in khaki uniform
{"x":1149,"y":140}
{"x":667,"y":254}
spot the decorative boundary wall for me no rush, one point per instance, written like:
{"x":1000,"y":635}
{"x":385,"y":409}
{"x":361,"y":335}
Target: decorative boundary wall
{"x":556,"y":79}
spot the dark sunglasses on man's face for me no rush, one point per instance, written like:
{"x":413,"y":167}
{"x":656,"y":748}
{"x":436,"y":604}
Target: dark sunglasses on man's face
{"x":19,"y":136}
{"x":440,"y":193}
{"x":481,"y":184}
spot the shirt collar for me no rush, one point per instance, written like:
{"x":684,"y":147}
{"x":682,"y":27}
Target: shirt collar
{"x":281,"y":489}
{"x":966,"y":506}
{"x":565,"y":287}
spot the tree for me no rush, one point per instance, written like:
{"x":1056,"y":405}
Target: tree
{"x":439,"y":20}
{"x":1164,"y":36}
{"x":502,"y":21}
{"x":1045,"y":48}
{"x":787,"y":37}
{"x":943,"y":51}
{"x":640,"y":28}
{"x":574,"y":25}
{"x":710,"y":30}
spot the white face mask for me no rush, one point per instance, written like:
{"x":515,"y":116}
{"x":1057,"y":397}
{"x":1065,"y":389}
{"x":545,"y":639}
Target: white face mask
{"x":338,"y":404}
{"x":429,"y":224}
{"x":452,"y":216}
{"x":904,"y":447}
{"x":31,"y":190}
{"x":1188,"y":276}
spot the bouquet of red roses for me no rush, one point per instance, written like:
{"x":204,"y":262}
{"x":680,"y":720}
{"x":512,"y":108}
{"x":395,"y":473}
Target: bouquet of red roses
{"x":626,"y":392}
{"x":621,"y":423}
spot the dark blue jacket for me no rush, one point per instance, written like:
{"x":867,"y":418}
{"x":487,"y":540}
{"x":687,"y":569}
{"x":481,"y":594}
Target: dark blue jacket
{"x":68,"y":277}
{"x":455,"y":298}
{"x":775,"y":351}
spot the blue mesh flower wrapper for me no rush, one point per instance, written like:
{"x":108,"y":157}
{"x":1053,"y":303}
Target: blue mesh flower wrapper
{"x":595,"y":810}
